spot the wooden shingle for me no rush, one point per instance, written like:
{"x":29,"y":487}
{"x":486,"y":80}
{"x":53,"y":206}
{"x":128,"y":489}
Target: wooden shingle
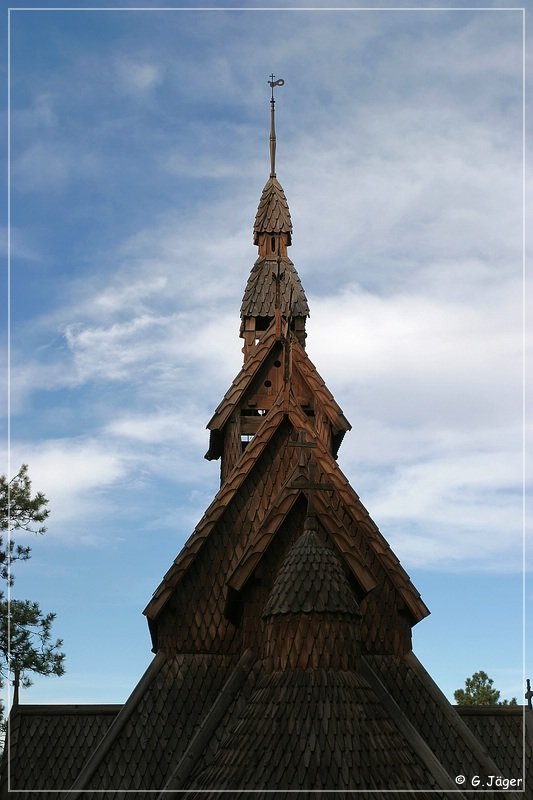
{"x":260,"y":294}
{"x":282,"y":630}
{"x":273,"y":214}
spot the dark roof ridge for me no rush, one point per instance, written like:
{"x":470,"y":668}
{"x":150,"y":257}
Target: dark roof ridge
{"x":482,"y":711}
{"x":31,"y":709}
{"x":411,"y":734}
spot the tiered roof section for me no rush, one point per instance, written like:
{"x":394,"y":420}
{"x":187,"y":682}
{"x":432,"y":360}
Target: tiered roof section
{"x":282,"y":630}
{"x":262,"y":296}
{"x":273,"y":215}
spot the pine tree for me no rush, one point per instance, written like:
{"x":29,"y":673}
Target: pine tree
{"x":479,"y":691}
{"x":26,"y":644}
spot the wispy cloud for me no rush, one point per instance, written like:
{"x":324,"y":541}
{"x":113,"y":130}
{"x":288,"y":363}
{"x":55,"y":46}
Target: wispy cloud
{"x":139,"y":150}
{"x":405,"y":196}
{"x":69,"y":472}
{"x":139,"y":75}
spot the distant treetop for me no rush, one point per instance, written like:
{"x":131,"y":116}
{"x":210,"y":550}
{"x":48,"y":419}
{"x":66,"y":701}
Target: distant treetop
{"x":479,"y":691}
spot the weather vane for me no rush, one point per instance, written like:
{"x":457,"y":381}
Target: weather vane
{"x":273,"y":83}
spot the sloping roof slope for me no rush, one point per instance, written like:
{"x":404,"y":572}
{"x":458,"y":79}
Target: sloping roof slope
{"x":41,"y":739}
{"x":301,"y":363}
{"x":157,"y":724}
{"x":342,"y":495}
{"x":311,"y":581}
{"x":273,"y":214}
{"x":428,"y":710}
{"x":507,"y":734}
{"x":314,"y":729}
{"x":260,"y":298}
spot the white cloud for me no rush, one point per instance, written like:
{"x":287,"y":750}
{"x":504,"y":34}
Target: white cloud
{"x":19,"y":245}
{"x":169,"y":428}
{"x":183,"y":349}
{"x":71,"y":473}
{"x":405,"y":195}
{"x":139,"y":76}
{"x":50,"y":166}
{"x":40,"y":114}
{"x":445,"y":358}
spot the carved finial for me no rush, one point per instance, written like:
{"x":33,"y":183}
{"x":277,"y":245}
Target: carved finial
{"x":273,"y":83}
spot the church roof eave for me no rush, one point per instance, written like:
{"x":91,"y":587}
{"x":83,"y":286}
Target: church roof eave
{"x":250,"y":370}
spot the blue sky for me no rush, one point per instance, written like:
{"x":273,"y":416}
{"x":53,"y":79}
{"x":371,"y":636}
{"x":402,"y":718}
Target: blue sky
{"x":139,"y":148}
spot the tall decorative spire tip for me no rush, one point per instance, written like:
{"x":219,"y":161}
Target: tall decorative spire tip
{"x":272,"y":83}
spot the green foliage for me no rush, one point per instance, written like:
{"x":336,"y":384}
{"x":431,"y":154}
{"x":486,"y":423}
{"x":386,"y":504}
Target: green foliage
{"x":18,"y":511}
{"x":479,"y":691}
{"x":26,"y":644}
{"x":31,"y":649}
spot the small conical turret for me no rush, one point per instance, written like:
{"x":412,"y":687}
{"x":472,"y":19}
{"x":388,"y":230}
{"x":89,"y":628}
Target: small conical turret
{"x":311,"y":616}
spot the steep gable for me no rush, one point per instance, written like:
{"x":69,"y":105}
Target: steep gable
{"x":282,"y":630}
{"x":249,"y":512}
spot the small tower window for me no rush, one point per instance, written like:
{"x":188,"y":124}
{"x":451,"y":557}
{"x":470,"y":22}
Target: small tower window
{"x":273,"y":243}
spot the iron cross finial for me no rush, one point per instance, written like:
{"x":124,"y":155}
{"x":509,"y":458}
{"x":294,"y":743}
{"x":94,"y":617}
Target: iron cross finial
{"x":273,"y":83}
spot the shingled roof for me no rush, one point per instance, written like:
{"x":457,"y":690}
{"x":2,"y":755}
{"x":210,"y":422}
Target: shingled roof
{"x":507,"y":734}
{"x":48,"y":745}
{"x":259,"y":298}
{"x":282,"y":630}
{"x":273,"y":214}
{"x":268,"y":346}
{"x":364,"y":532}
{"x":312,"y":730}
{"x":311,"y":580}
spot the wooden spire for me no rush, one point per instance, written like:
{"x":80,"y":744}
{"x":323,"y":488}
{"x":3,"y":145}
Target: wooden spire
{"x":273,"y":289}
{"x":272,"y":83}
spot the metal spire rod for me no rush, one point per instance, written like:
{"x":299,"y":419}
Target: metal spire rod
{"x":273,"y":83}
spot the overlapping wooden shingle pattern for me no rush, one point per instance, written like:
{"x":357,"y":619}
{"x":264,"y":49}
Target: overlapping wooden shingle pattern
{"x":326,"y":403}
{"x":202,"y":623}
{"x":161,"y":724}
{"x":258,"y":481}
{"x":364,"y":533}
{"x":314,"y":729}
{"x":241,"y":383}
{"x":311,"y":580}
{"x":273,"y":215}
{"x":260,"y":294}
{"x":502,"y":730}
{"x":254,"y":369}
{"x":226,"y":496}
{"x":432,"y":715}
{"x":41,"y":743}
